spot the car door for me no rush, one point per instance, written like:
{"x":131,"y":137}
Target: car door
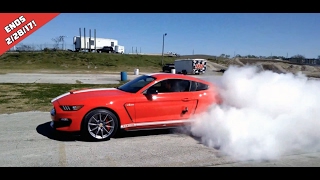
{"x":165,"y":106}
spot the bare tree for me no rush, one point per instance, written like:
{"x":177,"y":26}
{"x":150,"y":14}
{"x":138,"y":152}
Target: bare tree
{"x":298,"y":56}
{"x":57,"y":41}
{"x":23,"y":47}
{"x":40,"y":47}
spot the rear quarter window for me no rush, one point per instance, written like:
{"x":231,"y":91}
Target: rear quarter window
{"x":197,"y":86}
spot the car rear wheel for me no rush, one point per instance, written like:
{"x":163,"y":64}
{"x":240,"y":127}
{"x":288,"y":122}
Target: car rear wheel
{"x":99,"y":125}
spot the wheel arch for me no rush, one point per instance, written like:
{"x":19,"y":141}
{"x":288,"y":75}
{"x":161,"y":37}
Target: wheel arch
{"x":102,"y":107}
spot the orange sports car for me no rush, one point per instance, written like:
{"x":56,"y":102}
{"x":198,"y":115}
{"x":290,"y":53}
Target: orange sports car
{"x":150,"y":101}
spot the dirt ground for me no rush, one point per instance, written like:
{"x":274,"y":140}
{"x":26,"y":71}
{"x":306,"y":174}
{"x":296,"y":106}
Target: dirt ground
{"x":277,"y":66}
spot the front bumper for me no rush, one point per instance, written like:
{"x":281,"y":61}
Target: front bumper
{"x":58,"y":122}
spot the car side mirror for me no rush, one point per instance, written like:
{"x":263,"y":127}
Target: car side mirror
{"x":151,"y":91}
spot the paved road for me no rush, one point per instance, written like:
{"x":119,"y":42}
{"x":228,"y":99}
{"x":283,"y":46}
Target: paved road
{"x":62,"y":78}
{"x":68,"y":78}
{"x":27,"y":140}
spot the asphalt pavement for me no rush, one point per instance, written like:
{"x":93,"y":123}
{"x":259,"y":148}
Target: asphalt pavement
{"x":27,"y":140}
{"x":62,"y":78}
{"x":70,"y":78}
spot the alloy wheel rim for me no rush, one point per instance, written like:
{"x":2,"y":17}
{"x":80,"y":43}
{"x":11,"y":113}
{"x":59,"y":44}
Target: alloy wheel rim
{"x":101,"y":125}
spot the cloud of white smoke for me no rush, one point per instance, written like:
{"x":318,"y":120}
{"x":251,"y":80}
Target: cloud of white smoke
{"x":264,"y":115}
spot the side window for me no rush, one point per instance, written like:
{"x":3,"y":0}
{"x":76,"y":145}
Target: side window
{"x":159,"y":86}
{"x":172,"y":85}
{"x":197,"y":86}
{"x":185,"y":85}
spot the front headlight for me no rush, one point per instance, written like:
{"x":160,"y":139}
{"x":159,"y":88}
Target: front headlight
{"x":71,"y":108}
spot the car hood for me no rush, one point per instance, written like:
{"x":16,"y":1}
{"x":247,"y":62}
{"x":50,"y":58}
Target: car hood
{"x":81,"y":94}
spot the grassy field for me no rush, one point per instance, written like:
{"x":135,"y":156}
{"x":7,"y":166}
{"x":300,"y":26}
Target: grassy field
{"x":71,"y":61}
{"x":36,"y":97}
{"x":82,"y":62}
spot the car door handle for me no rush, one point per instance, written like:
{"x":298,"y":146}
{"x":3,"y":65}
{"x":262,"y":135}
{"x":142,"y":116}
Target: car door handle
{"x":185,"y":99}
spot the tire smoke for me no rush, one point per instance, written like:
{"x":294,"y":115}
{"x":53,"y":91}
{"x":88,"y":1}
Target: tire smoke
{"x":264,"y":115}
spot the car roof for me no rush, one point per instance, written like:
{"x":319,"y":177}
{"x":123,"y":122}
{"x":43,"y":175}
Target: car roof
{"x":173,"y":76}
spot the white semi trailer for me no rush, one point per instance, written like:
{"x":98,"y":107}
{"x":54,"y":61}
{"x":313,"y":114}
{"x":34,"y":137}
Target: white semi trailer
{"x":87,"y":43}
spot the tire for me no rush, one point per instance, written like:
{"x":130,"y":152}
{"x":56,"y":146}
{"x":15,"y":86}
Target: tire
{"x":99,"y":125}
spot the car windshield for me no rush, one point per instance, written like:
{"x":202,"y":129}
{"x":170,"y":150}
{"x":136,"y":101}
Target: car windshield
{"x":135,"y":85}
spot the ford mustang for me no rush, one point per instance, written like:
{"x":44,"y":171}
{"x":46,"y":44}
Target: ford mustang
{"x":150,"y":101}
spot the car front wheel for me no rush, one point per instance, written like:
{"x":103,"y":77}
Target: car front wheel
{"x":100,"y":124}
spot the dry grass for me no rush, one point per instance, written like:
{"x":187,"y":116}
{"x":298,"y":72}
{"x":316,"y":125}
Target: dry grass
{"x":10,"y":101}
{"x":35,"y":97}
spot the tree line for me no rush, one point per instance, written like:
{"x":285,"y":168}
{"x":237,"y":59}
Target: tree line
{"x":298,"y":56}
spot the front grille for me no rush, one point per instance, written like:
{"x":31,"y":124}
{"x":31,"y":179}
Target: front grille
{"x":66,"y":108}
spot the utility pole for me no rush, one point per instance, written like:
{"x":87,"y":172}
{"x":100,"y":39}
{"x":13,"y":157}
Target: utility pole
{"x":84,"y":36}
{"x":163,"y":46}
{"x":89,"y":40}
{"x":95,"y":40}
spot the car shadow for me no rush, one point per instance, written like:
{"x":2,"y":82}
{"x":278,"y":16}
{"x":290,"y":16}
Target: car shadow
{"x":126,"y":134}
{"x":46,"y":130}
